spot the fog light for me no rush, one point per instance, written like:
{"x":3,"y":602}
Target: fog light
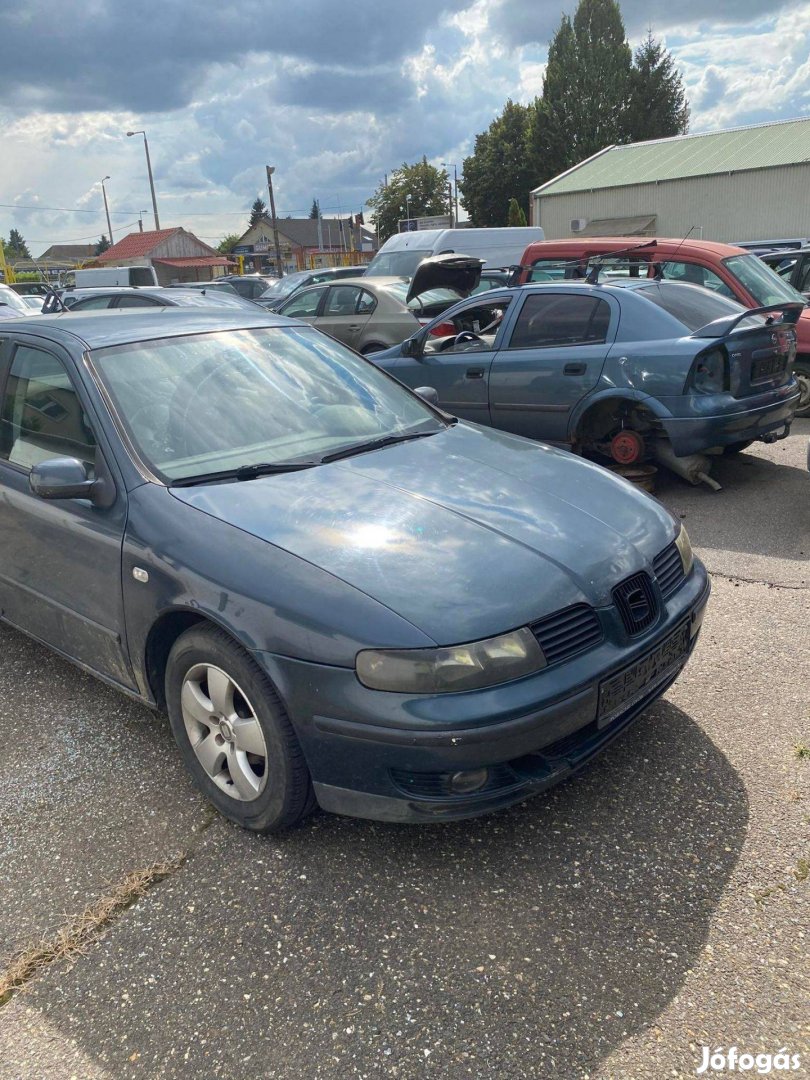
{"x":464,"y":783}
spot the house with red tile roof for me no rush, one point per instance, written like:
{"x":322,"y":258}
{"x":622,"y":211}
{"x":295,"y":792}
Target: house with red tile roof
{"x":175,"y":254}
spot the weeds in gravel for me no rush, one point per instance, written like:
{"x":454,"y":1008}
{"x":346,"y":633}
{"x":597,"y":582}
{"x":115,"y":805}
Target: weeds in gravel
{"x":75,"y":936}
{"x":802,"y":751}
{"x":802,"y":871}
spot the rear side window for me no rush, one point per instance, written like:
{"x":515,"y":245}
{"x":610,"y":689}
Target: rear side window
{"x":691,"y":274}
{"x":561,"y":319}
{"x":141,"y":275}
{"x":342,"y":300}
{"x":137,"y":301}
{"x":692,"y":307}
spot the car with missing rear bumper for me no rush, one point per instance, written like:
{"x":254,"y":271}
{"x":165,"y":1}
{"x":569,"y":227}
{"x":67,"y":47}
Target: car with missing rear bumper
{"x":339,"y":594}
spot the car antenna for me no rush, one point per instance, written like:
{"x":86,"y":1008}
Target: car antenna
{"x":659,"y":267}
{"x":593,"y":274}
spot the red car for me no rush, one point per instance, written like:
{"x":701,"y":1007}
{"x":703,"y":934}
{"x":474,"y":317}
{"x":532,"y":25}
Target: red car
{"x":730,"y":271}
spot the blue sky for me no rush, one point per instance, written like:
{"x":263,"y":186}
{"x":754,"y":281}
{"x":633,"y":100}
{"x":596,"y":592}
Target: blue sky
{"x":334,"y":95}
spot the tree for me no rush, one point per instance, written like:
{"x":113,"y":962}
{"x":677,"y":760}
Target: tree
{"x":102,"y":245}
{"x":516,"y":217}
{"x":16,"y":248}
{"x":227,"y":244}
{"x":498,"y":169}
{"x":658,"y":106}
{"x":257,"y":211}
{"x":315,"y":211}
{"x":427,"y":187}
{"x":586,"y":90}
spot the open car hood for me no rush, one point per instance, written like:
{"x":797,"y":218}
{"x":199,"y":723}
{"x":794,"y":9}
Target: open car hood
{"x":449,"y":271}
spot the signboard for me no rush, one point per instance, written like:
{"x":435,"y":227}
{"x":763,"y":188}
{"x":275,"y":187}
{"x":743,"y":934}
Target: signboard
{"x":242,"y":249}
{"x":261,"y":247}
{"x":440,"y":221}
{"x":408,"y":226}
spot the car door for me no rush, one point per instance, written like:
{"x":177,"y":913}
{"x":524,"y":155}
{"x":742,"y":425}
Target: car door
{"x":345,"y":312}
{"x":554,"y":355}
{"x":455,"y":356}
{"x":60,"y":573}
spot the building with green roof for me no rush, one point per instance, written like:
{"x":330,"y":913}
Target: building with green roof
{"x":748,"y":183}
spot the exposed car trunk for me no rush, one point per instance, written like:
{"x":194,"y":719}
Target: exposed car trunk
{"x":756,"y":358}
{"x":449,"y":271}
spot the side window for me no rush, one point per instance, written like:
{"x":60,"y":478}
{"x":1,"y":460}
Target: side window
{"x":803,"y":280}
{"x":693,"y":274}
{"x":560,"y":319}
{"x":304,"y":305}
{"x":42,"y":416}
{"x":561,"y":269}
{"x":342,"y":300}
{"x":366,"y":303}
{"x":91,"y":303}
{"x":478,"y":327}
{"x":137,"y":301}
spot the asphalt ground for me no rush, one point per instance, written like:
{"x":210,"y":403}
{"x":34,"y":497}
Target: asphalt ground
{"x":656,"y":904}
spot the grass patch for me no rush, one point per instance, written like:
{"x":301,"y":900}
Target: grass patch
{"x":75,"y":936}
{"x":802,"y":871}
{"x":802,"y":751}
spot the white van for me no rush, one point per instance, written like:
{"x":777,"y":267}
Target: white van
{"x":105,"y":276}
{"x":401,"y":253}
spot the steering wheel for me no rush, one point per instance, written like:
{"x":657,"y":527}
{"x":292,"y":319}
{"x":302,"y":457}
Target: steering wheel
{"x":465,"y":335}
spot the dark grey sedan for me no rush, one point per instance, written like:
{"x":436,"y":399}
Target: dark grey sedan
{"x":339,"y":594}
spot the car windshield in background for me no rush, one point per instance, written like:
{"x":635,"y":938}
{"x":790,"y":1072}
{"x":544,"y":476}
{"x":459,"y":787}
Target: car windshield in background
{"x":397,"y":263}
{"x":239,"y":398}
{"x":11,"y":299}
{"x":765,"y":286}
{"x":691,"y":305}
{"x":286,"y":285}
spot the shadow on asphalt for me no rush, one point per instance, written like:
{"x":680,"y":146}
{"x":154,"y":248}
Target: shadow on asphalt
{"x":763,"y":509}
{"x":529,"y":943}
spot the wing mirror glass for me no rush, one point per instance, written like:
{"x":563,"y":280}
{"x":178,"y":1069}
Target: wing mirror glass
{"x":66,"y":478}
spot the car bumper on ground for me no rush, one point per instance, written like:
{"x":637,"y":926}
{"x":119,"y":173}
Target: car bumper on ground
{"x":392,"y":757}
{"x":767,"y":416}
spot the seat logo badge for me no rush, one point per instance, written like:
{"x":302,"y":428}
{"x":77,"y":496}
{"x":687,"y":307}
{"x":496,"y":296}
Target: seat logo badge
{"x":140,"y":575}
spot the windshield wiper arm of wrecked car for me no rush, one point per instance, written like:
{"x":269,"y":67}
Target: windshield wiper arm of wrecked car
{"x":246,"y":472}
{"x":376,"y":444}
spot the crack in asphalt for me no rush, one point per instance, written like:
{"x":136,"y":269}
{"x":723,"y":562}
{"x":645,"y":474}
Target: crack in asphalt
{"x":735,"y":579}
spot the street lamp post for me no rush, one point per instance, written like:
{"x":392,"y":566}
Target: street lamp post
{"x":107,"y":211}
{"x":450,"y":165}
{"x":408,"y":212}
{"x":279,"y":267}
{"x":149,"y":170}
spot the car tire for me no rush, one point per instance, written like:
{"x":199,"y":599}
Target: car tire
{"x":801,"y":369}
{"x":736,"y":448}
{"x":234,"y":734}
{"x":372,"y":347}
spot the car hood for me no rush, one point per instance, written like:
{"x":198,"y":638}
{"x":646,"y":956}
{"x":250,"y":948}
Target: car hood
{"x":465,"y":534}
{"x":448,"y":271}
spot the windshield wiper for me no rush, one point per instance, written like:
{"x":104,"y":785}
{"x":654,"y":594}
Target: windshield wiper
{"x":377,"y":444}
{"x":246,"y":472}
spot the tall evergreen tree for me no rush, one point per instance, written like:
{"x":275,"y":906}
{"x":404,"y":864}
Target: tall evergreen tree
{"x":314,"y":212}
{"x":658,"y":105}
{"x":424,"y":183}
{"x":16,"y":248}
{"x":257,"y":211}
{"x":498,"y":169}
{"x":102,"y":245}
{"x":586,"y":89}
{"x":516,"y":216}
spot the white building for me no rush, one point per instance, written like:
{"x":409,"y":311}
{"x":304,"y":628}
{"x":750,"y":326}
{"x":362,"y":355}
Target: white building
{"x":748,"y":183}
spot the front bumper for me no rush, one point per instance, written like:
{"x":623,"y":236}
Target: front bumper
{"x":732,"y":420}
{"x":367,"y":750}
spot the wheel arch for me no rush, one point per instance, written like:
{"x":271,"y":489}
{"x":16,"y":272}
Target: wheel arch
{"x":608,"y":399}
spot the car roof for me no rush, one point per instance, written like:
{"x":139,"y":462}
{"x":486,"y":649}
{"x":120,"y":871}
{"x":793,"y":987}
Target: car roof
{"x":663,"y":246}
{"x":99,"y":329}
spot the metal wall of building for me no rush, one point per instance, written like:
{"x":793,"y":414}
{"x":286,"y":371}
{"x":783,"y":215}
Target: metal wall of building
{"x":756,"y":205}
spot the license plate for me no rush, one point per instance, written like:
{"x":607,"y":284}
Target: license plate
{"x":770,"y":365}
{"x":620,"y":692}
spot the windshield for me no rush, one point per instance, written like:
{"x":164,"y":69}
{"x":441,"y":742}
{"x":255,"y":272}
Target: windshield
{"x":397,"y":263}
{"x":226,"y":400}
{"x":12,"y":300}
{"x":284,"y":286}
{"x":761,"y":282}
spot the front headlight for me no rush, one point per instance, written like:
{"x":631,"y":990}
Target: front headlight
{"x":451,"y":669}
{"x":685,"y":548}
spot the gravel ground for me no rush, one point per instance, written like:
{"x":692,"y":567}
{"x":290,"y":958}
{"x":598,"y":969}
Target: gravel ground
{"x":656,"y":904}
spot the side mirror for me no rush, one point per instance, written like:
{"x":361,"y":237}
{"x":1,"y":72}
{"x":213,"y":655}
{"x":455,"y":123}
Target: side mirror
{"x":66,"y":478}
{"x":429,"y":394}
{"x":407,"y":347}
{"x":514,"y":276}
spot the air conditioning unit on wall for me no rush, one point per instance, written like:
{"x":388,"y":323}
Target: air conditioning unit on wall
{"x":578,"y":224}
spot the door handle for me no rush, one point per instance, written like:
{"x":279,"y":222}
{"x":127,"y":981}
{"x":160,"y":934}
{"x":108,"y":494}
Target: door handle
{"x":575,"y":369}
{"x":475,"y":373}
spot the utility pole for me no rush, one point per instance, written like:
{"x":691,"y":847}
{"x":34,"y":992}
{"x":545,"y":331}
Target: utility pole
{"x":149,"y":171}
{"x":279,"y":267}
{"x":107,"y":211}
{"x":320,"y":225}
{"x":450,"y":165}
